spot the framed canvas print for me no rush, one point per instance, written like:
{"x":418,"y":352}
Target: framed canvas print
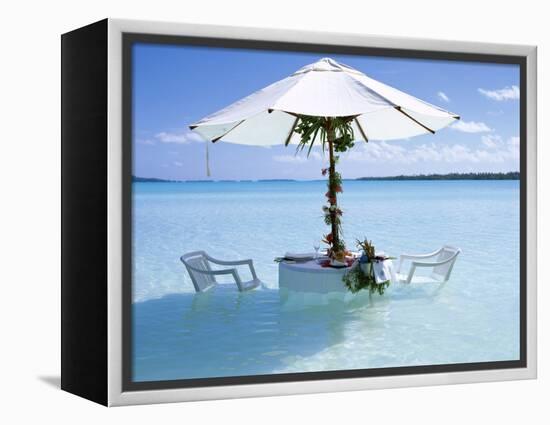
{"x":249,"y":212}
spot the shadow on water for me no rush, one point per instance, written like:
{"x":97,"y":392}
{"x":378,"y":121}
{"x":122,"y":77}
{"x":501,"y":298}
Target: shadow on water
{"x":226,"y":333}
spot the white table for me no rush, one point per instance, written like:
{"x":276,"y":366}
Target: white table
{"x":312,"y":283}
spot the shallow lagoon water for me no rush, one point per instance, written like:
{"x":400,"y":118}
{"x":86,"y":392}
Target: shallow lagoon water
{"x":179,"y":334}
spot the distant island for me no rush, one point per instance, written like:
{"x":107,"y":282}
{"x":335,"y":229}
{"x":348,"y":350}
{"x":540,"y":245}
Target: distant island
{"x":511,"y":175}
{"x":136,"y":179}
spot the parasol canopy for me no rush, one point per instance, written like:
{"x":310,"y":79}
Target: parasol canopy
{"x":325,"y":88}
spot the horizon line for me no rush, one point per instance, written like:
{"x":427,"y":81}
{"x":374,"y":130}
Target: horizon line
{"x":390,"y":177}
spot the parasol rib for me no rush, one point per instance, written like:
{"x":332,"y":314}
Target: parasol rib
{"x":228,"y":131}
{"x":287,"y":141}
{"x":415,"y":120}
{"x":361,"y":130}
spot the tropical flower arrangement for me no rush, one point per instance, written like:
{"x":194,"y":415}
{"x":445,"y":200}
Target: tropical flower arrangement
{"x":361,"y":275}
{"x":333,"y":218}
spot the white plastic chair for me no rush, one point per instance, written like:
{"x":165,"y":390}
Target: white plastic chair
{"x":441,"y":262}
{"x":203,"y":276}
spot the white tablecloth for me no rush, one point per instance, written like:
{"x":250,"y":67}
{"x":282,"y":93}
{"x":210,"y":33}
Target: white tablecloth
{"x":310,"y":277}
{"x":309,"y":280}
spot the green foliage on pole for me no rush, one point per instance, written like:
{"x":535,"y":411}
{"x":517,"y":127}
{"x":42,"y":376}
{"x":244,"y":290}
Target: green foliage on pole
{"x":335,"y":134}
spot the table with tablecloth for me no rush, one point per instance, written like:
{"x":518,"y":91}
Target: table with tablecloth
{"x":315,"y":281}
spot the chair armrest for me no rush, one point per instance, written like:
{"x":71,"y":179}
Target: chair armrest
{"x":247,"y":262}
{"x":414,"y":256}
{"x":231,"y":271}
{"x":404,"y":257}
{"x":228,"y":263}
{"x":433,"y":263}
{"x":221,"y":272}
{"x":415,"y":264}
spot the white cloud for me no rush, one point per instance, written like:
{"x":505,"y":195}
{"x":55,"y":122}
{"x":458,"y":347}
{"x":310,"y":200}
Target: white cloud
{"x":316,"y":156}
{"x":514,"y":141}
{"x":494,"y":141}
{"x":299,"y":159}
{"x":177,"y":164}
{"x":471,"y":127}
{"x":180,"y":138}
{"x":491,"y":140}
{"x":507,"y":93}
{"x":391,"y":153}
{"x":291,"y":159}
{"x":443,"y":96}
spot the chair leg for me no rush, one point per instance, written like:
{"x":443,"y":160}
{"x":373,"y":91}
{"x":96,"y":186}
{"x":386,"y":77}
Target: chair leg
{"x":411,"y":273}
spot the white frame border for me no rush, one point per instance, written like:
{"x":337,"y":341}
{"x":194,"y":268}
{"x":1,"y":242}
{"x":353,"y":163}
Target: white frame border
{"x":116,"y":396}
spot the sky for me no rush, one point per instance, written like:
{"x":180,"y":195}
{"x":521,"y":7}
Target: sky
{"x":175,"y":86}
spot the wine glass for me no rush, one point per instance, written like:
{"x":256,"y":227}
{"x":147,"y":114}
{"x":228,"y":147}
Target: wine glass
{"x":316,"y":246}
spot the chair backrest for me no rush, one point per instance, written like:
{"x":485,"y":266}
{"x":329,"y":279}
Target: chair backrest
{"x":198,"y":260}
{"x":448,"y":254}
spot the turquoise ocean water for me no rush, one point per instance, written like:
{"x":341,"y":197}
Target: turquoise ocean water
{"x":179,"y":334}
